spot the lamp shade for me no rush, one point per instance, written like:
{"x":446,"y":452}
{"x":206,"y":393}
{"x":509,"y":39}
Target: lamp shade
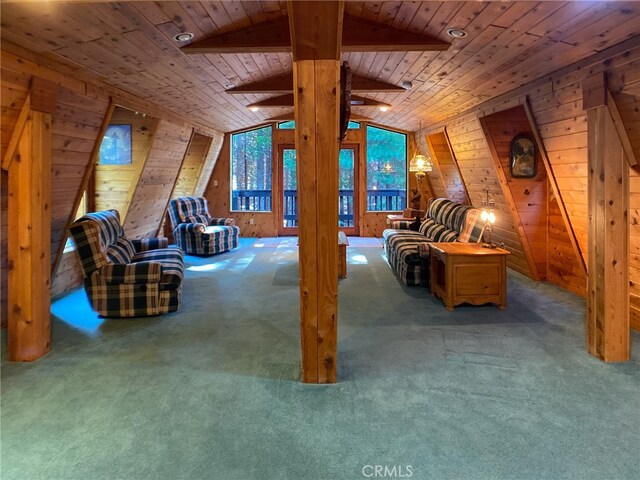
{"x":420,"y":163}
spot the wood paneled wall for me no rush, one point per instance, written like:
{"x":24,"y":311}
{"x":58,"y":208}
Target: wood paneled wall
{"x":556,"y":103}
{"x":158,"y":177}
{"x":634,"y":248}
{"x":209,"y":164}
{"x":113,"y":185}
{"x":82,"y":102}
{"x":434,"y":176}
{"x":4,"y":265}
{"x":189,"y":175}
{"x":194,"y":161}
{"x":75,"y":127}
{"x":478,"y":171}
{"x":446,"y":167}
{"x":628,"y":103}
{"x":526,"y":198}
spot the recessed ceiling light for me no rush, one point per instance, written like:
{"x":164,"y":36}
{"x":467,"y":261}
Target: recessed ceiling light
{"x":254,"y":108}
{"x":183,"y":37}
{"x":456,"y":33}
{"x":229,"y":85}
{"x":407,"y":85}
{"x":384,"y":109}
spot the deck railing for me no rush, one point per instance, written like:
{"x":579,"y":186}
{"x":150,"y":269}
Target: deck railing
{"x":260,"y":200}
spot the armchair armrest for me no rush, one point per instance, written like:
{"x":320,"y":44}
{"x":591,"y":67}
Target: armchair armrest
{"x":223,"y":221}
{"x":190,"y":228}
{"x":140,"y":272}
{"x":146,"y":244}
{"x":401,"y":224}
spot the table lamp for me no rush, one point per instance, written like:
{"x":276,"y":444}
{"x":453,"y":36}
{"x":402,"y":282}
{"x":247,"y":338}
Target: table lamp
{"x":489,"y":218}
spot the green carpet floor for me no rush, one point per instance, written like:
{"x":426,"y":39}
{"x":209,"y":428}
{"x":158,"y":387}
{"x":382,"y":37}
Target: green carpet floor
{"x":212,"y":392}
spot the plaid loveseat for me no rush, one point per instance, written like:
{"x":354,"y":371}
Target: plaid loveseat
{"x":196,"y":232}
{"x":122,"y":277}
{"x":445,"y":221}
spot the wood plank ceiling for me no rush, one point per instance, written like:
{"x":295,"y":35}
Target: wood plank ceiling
{"x":131,"y":46}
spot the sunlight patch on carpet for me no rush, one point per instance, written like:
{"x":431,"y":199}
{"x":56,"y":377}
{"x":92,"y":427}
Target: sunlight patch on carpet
{"x":74,"y":310}
{"x":357,"y":259}
{"x":238,"y":263}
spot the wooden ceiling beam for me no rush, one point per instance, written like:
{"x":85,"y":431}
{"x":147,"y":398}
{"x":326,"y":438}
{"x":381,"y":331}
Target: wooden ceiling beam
{"x":290,"y":116}
{"x":280,"y":101}
{"x":358,"y":101}
{"x":265,"y":37}
{"x":364,"y":84}
{"x":358,"y":35}
{"x":284,"y":84}
{"x":287,"y":101}
{"x":278,"y":84}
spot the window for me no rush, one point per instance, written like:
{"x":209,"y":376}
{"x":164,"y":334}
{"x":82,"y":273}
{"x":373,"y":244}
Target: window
{"x":251,"y":170}
{"x":353,"y":125}
{"x":386,"y":170}
{"x":289,"y":125}
{"x":115,"y":148}
{"x":69,"y":246}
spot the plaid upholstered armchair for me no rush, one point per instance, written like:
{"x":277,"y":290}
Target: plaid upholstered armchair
{"x":122,"y":277}
{"x":196,"y":232}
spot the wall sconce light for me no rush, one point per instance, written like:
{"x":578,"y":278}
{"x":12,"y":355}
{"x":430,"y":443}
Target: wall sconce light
{"x":489,"y":218}
{"x":420,"y":164}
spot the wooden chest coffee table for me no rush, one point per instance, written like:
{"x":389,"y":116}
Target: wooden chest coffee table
{"x":468,"y":272}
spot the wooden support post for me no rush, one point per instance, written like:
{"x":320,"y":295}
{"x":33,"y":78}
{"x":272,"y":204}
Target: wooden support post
{"x":607,"y":322}
{"x":316,"y":76}
{"x":29,"y":249}
{"x":317,"y":154}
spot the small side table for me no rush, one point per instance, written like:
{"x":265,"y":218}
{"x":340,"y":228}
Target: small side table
{"x":468,"y":272}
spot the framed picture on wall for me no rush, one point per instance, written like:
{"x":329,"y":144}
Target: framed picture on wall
{"x":523,"y":156}
{"x":115,"y":148}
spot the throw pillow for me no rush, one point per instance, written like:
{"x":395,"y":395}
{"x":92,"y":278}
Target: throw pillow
{"x":473,"y":228}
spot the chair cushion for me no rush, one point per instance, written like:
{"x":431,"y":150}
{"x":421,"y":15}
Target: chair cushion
{"x":122,"y":251}
{"x":448,"y":213}
{"x":425,"y":225}
{"x":204,"y":219}
{"x":190,"y":206}
{"x":172,"y":261}
{"x":404,"y":245}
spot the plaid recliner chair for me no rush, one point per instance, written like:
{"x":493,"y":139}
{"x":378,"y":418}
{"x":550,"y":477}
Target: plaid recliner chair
{"x":196,"y":232}
{"x":122,"y":277}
